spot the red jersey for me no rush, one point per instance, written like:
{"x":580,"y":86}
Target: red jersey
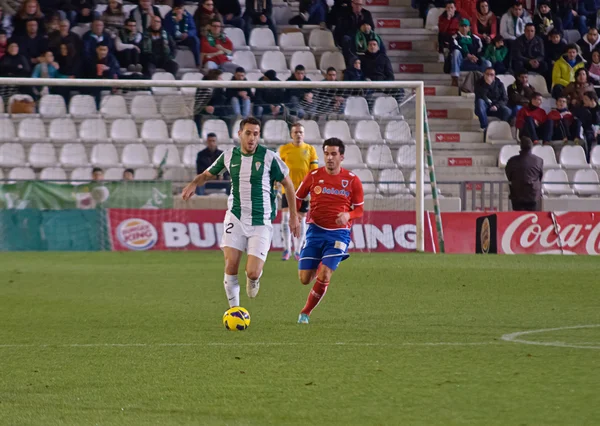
{"x":331,"y":195}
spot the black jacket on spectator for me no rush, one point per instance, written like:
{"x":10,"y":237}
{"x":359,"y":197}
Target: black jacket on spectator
{"x":55,"y":40}
{"x":70,"y":64}
{"x":15,"y":66}
{"x":90,"y":42}
{"x":525,"y":50}
{"x":587,"y":48}
{"x":20,"y":25}
{"x":158,"y":49}
{"x":226,"y":7}
{"x":205,"y":158}
{"x":255,"y":8}
{"x":349,"y":23}
{"x":524,"y":172}
{"x":233,"y":93}
{"x":519,"y":95}
{"x":264,"y":97}
{"x":352,"y":74}
{"x":79,"y":5}
{"x":538,"y":21}
{"x":211,"y":97}
{"x":49,"y":7}
{"x":377,"y":67}
{"x":299,"y":93}
{"x":32,"y":47}
{"x":91,"y":71}
{"x":475,"y":48}
{"x":555,"y":51}
{"x":492,"y":94}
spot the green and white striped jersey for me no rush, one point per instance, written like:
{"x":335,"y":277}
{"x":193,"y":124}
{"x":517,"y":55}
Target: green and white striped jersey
{"x":252,"y":198}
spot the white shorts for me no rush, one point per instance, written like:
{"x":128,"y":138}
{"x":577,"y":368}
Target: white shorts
{"x":256,"y":240}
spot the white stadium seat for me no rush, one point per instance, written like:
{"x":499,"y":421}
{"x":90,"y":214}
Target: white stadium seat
{"x":292,"y":42}
{"x":21,"y":173}
{"x":113,"y":106}
{"x":192,"y":76}
{"x":368,"y":182}
{"x":321,"y":41}
{"x":83,"y":106}
{"x":398,"y":132}
{"x":245,"y":59}
{"x":177,"y":174}
{"x":312,"y":133}
{"x":262,"y":39}
{"x":135,"y":155}
{"x":171,"y":153}
{"x":559,"y":185}
{"x":124,"y":130}
{"x":185,"y":131}
{"x":81,"y":175}
{"x":173,"y":107}
{"x":53,"y":174}
{"x":42,"y":155}
{"x":595,"y":157}
{"x":114,"y":173}
{"x":507,"y":79}
{"x":407,"y":157}
{"x":104,"y":155}
{"x":190,"y":153}
{"x":333,"y":59}
{"x":237,"y":37}
{"x":386,"y":107}
{"x":499,"y":132}
{"x":7,"y":130}
{"x":585,"y":182}
{"x":433,"y":16}
{"x":379,"y":157}
{"x":283,"y":75}
{"x":337,"y":129}
{"x":185,"y":59}
{"x":507,"y":152}
{"x":145,"y":173}
{"x":546,"y":153}
{"x":93,"y":130}
{"x":51,"y":106}
{"x":144,"y":107}
{"x":368,"y":132}
{"x":164,"y":76}
{"x":12,"y":155}
{"x":573,"y":157}
{"x":538,"y":82}
{"x":62,"y":130}
{"x":413,"y":183}
{"x":276,"y":132}
{"x":273,"y":60}
{"x":219,"y":128}
{"x":353,"y":158}
{"x":391,"y":182}
{"x":32,"y":130}
{"x":155,"y":132}
{"x":303,"y":58}
{"x":357,"y":107}
{"x":73,"y":155}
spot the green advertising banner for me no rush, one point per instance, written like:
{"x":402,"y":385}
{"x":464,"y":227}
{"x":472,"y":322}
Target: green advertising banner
{"x":55,"y":196}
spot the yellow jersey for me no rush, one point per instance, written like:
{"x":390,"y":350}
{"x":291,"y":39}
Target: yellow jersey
{"x":300,"y":160}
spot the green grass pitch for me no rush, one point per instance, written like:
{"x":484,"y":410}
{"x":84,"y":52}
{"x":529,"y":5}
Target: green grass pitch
{"x":137,"y":339}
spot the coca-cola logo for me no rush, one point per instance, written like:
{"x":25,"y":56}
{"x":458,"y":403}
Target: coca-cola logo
{"x":527,"y":234}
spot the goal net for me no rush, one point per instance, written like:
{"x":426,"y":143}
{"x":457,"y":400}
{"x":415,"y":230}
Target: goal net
{"x":56,"y":132}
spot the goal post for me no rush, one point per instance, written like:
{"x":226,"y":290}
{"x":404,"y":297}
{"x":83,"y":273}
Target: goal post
{"x":354,"y":111}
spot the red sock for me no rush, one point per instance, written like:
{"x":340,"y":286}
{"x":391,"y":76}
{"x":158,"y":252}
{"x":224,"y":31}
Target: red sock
{"x":314,"y":297}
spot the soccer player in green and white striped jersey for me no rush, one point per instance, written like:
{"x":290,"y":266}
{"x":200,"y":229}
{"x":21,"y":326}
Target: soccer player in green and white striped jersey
{"x":251,"y":206}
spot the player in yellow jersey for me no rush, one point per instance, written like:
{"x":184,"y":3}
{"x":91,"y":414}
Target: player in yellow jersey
{"x":300,"y":158}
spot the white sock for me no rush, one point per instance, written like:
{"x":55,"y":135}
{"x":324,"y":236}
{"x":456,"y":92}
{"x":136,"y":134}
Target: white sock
{"x":285,"y":231}
{"x":232,"y":290}
{"x":299,"y":242}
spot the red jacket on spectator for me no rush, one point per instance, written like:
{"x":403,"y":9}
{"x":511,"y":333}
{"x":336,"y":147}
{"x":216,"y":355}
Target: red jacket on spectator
{"x":467,"y":8}
{"x":538,"y":114}
{"x":207,"y":48}
{"x":493,"y":24}
{"x":449,"y":26}
{"x":556,"y":114}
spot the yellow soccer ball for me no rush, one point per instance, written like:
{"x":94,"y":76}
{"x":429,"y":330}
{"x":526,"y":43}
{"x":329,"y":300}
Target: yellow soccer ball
{"x":236,"y":319}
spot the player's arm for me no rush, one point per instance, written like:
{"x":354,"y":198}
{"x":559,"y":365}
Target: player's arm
{"x":358,"y":203}
{"x":314,"y":159}
{"x":209,"y":174}
{"x":303,"y":190}
{"x":290,"y":195}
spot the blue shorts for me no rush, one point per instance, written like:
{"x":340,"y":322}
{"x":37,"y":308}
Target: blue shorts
{"x":323,"y":246}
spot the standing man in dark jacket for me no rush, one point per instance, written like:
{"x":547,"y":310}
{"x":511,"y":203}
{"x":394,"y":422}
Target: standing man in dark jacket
{"x":528,"y":52}
{"x":204,"y":159}
{"x":524,"y":173}
{"x":490,"y":98}
{"x":376,"y":65}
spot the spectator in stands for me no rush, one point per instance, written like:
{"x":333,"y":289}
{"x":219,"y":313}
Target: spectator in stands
{"x":231,"y":11}
{"x":300,"y":100}
{"x":158,"y":49}
{"x":240,"y":99}
{"x":338,"y":10}
{"x":64,"y":36}
{"x":512,"y":24}
{"x":69,"y":61}
{"x":258,"y":12}
{"x":179,"y":24}
{"x":129,"y":47}
{"x":95,"y":37}
{"x":29,"y":11}
{"x":448,"y":23}
{"x":330,"y":100}
{"x":593,"y":67}
{"x":524,"y":173}
{"x":589,"y":43}
{"x":349,"y":23}
{"x":211,"y":101}
{"x":555,"y":48}
{"x":531,"y":118}
{"x":520,"y":92}
{"x":485,"y":23}
{"x":467,"y":8}
{"x":97,"y":174}
{"x":544,"y":20}
{"x":497,"y":53}
{"x":467,"y":52}
{"x":204,"y":16}
{"x":490,"y":98}
{"x":270,"y":100}
{"x":312,"y":12}
{"x":561,"y":124}
{"x":6,"y":22}
{"x":573,"y":14}
{"x":217,"y":48}
{"x":14,"y":64}
{"x":128,"y":174}
{"x":205,"y":159}
{"x":33,"y":44}
{"x":575,"y":90}
{"x":143,"y":15}
{"x":528,"y":52}
{"x":3,"y":43}
{"x":83,"y":11}
{"x":103,"y":65}
{"x":564,"y":69}
{"x":361,"y":42}
{"x":354,"y":73}
{"x":376,"y":65}
{"x":590,"y":120}
{"x":47,"y":68}
{"x":114,"y":17}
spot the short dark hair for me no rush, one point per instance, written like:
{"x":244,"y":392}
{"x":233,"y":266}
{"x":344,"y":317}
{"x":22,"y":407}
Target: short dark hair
{"x":129,"y":171}
{"x":331,"y":69}
{"x":530,"y":24}
{"x":517,"y":3}
{"x":2,"y":32}
{"x":97,"y":169}
{"x":572,"y":46}
{"x":335,"y":142}
{"x":526,"y":143}
{"x":299,"y":67}
{"x":250,"y":120}
{"x":130,"y":20}
{"x":562,"y":97}
{"x":520,"y":73}
{"x":211,"y":135}
{"x":240,"y":69}
{"x":213,"y":20}
{"x":451,"y":2}
{"x":553,"y":32}
{"x":536,"y":95}
{"x":592,"y":95}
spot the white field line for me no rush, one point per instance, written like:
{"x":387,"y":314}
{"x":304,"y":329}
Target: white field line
{"x":515,"y":337}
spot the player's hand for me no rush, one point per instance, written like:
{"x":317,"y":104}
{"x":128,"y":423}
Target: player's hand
{"x":295,"y":226}
{"x":188,"y":191}
{"x":343,"y":218}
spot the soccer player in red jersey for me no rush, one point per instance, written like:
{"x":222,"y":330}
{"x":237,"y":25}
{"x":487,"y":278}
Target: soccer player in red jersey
{"x":336,"y":198}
